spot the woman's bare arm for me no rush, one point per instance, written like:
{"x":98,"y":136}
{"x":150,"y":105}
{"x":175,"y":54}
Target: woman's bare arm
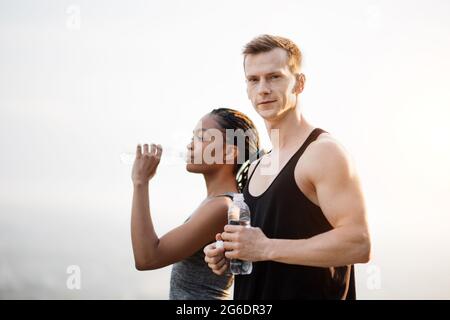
{"x":152,"y":252}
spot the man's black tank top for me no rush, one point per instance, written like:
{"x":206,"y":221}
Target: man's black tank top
{"x":284,"y":212}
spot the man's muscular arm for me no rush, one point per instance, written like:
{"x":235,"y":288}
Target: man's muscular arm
{"x":331,"y":172}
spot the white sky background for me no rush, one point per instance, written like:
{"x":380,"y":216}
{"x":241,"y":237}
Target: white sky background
{"x":71,"y":100}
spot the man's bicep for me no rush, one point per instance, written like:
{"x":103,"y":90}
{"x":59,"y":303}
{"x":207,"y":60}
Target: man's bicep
{"x":339,"y":191}
{"x":342,"y":204}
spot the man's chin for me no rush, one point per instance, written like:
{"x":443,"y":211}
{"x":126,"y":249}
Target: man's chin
{"x":267,"y":114}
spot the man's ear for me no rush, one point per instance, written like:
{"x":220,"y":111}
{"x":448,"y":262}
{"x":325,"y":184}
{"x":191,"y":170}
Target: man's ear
{"x":299,"y":83}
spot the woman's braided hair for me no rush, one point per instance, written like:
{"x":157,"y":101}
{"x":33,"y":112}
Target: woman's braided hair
{"x":239,"y":124}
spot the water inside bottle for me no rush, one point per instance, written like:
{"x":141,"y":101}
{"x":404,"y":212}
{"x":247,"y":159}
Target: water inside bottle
{"x":170,"y":156}
{"x":239,"y":266}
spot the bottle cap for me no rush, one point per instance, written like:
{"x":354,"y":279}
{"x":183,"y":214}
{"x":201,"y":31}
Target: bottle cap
{"x":219,"y":244}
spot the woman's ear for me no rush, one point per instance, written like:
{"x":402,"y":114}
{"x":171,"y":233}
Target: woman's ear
{"x":231,"y":153}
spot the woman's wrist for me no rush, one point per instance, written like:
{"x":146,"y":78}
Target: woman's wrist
{"x":140,"y":184}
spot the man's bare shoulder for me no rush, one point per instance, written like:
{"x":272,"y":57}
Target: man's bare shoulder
{"x":326,"y":145}
{"x":326,"y":156}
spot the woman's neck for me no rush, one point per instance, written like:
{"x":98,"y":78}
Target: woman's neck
{"x":220,"y":182}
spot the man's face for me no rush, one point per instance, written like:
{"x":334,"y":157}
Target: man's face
{"x":271,"y":86}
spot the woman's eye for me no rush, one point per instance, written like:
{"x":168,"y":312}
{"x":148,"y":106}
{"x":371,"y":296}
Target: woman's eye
{"x":274,"y":77}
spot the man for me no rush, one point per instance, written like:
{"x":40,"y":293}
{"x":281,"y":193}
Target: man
{"x":308,"y":217}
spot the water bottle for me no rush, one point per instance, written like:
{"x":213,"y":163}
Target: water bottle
{"x":171,"y":156}
{"x":239,"y":214}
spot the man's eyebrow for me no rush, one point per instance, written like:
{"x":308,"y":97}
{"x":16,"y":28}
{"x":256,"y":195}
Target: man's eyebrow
{"x":266,"y":74}
{"x":273,"y":73}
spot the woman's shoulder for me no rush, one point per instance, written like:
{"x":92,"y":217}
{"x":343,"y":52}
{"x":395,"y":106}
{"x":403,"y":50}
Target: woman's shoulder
{"x":213,"y":206}
{"x":220,"y":202}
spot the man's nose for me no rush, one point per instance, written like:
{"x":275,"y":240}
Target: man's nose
{"x":263,"y":88}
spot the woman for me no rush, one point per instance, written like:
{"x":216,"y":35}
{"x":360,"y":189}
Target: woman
{"x":183,"y":246}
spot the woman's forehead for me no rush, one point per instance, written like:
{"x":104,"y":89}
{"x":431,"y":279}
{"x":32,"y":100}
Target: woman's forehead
{"x":205,"y":123}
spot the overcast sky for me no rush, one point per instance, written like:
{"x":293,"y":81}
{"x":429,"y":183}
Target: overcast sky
{"x":83,"y":81}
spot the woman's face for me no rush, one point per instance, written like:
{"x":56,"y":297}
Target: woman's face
{"x":207,"y":149}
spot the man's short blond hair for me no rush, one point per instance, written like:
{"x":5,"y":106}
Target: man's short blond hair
{"x":266,"y":43}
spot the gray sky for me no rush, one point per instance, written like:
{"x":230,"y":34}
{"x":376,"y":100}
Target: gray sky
{"x":83,"y":81}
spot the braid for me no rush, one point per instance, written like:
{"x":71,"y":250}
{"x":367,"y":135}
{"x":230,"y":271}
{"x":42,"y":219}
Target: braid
{"x":240,"y":124}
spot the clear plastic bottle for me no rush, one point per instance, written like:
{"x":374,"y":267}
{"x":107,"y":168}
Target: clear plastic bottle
{"x":239,"y":214}
{"x":171,"y":156}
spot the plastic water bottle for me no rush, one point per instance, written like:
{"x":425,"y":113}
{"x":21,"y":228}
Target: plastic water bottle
{"x":171,"y":156}
{"x":239,"y":214}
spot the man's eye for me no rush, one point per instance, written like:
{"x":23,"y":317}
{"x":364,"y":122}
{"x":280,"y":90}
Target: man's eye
{"x":274,"y":77}
{"x":252,"y":80}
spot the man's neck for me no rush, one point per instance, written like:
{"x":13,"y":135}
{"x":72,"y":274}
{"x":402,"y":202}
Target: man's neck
{"x":286,"y":131}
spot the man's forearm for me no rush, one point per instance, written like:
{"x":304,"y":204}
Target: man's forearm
{"x":338,"y":247}
{"x":143,"y":235}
